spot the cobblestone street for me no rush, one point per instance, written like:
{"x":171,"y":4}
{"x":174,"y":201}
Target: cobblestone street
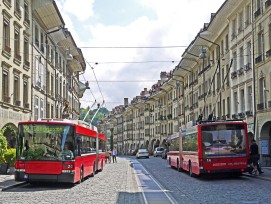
{"x":115,"y":184}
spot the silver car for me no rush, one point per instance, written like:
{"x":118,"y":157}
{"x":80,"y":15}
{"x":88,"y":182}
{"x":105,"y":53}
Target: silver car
{"x":158,"y":151}
{"x":142,"y":153}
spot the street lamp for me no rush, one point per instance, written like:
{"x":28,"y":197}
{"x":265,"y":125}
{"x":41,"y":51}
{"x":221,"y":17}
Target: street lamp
{"x":218,"y":67}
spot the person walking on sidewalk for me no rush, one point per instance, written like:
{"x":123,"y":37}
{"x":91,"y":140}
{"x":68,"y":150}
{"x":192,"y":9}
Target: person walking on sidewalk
{"x":108,"y":156}
{"x":114,"y":155}
{"x":254,"y":156}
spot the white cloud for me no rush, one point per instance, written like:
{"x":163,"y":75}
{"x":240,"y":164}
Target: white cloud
{"x":177,"y":23}
{"x":81,"y":10}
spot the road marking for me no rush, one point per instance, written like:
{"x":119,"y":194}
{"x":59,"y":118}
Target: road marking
{"x":152,"y":190}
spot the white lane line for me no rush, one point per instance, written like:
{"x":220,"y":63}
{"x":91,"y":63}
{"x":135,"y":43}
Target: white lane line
{"x":171,"y":199}
{"x":138,"y":183}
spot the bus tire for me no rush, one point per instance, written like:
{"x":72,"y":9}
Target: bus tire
{"x":190,"y":169}
{"x":81,"y":175}
{"x":93,"y":173}
{"x":102,"y":166}
{"x":169,"y":162}
{"x":178,"y":165}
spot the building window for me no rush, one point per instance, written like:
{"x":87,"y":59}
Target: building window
{"x":37,"y":42}
{"x":248,"y":15}
{"x":57,"y":93}
{"x":36,"y":108}
{"x":26,"y":13}
{"x":16,"y":90}
{"x":234,"y":61}
{"x":240,"y":22}
{"x":25,"y":92}
{"x":42,"y":42}
{"x":261,"y":90}
{"x":39,"y":72}
{"x":222,"y":47}
{"x":235,"y":98}
{"x":242,"y":100}
{"x":17,"y":43}
{"x":52,"y":85}
{"x":241,"y":61}
{"x":56,"y":58}
{"x":233,"y":33}
{"x":52,"y":54}
{"x":48,"y":110}
{"x":227,"y":43}
{"x":48,"y":82}
{"x":41,"y":108}
{"x":52,"y":111}
{"x":26,"y":52}
{"x":249,"y":54}
{"x":249,"y":97}
{"x":228,"y":106}
{"x":5,"y":86}
{"x":6,"y":35}
{"x":60,"y":87}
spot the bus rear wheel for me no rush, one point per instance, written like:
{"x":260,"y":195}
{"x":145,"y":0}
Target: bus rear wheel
{"x":190,"y":170}
{"x":102,"y":166}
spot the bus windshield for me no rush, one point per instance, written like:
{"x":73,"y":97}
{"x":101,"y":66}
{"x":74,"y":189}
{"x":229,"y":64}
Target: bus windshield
{"x":45,"y":142}
{"x":223,"y":140}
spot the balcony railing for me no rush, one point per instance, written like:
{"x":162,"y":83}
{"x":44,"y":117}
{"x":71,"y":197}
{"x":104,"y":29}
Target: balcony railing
{"x":267,"y":3}
{"x":257,"y":13}
{"x":6,"y":99}
{"x":260,"y":106}
{"x":247,"y":67}
{"x":259,"y":59}
{"x":234,"y":74}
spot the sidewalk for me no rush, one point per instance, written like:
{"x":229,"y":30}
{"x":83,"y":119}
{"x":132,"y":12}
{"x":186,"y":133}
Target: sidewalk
{"x":265,"y":176}
{"x":7,"y":181}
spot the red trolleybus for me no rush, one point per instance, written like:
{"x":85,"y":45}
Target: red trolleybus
{"x":211,"y":147}
{"x":58,"y":150}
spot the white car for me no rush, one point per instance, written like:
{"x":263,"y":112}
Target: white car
{"x":158,"y":151}
{"x":142,"y":153}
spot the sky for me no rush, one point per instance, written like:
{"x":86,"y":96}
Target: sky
{"x":128,"y":43}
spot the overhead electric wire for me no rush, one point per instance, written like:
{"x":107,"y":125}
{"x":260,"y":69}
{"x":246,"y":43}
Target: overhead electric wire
{"x":96,"y":81}
{"x":136,"y":62}
{"x":128,"y":81}
{"x":89,"y":88}
{"x":133,"y":47}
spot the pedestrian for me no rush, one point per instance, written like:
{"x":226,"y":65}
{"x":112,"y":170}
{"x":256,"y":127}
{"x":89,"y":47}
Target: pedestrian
{"x":114,"y":155}
{"x":108,"y":156}
{"x":254,"y":156}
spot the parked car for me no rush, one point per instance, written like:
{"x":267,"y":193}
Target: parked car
{"x":142,"y":153}
{"x":132,"y":152}
{"x":158,"y":151}
{"x":164,"y":154}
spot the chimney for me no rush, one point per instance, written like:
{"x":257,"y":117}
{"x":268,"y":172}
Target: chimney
{"x":145,"y":91}
{"x":125,"y":102}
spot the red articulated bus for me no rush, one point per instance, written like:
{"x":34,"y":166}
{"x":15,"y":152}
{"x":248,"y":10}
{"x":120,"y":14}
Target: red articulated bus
{"x":210,"y":147}
{"x":58,"y":150}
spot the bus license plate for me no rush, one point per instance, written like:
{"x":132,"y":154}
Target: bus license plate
{"x":25,"y":176}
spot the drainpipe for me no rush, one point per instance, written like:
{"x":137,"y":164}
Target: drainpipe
{"x":253,"y":75}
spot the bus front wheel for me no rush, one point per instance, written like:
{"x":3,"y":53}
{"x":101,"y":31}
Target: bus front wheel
{"x":93,"y":173}
{"x":81,"y":175}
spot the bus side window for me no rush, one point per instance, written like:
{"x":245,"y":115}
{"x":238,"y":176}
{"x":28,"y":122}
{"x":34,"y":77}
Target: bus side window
{"x":79,"y":144}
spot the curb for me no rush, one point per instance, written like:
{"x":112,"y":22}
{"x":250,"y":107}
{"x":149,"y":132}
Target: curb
{"x":13,"y":186}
